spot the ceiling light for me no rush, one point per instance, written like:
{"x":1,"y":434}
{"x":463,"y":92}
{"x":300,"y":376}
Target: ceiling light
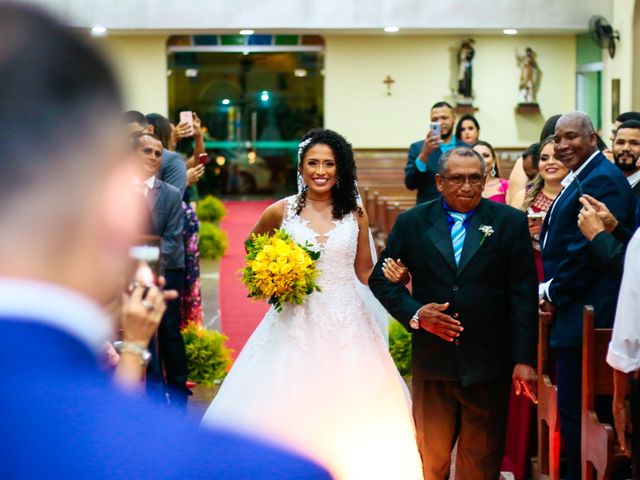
{"x":191,"y":72}
{"x":300,"y":72}
{"x":510,"y":31}
{"x":226,"y":101}
{"x":98,"y":30}
{"x":391,"y":29}
{"x":264,"y":96}
{"x":245,"y":53}
{"x":247,"y":31}
{"x":220,"y":160}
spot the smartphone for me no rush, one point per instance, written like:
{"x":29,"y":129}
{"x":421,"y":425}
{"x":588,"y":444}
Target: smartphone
{"x":204,"y":159}
{"x":187,"y":117}
{"x":146,"y":260}
{"x":435,"y":129}
{"x":536,"y":215}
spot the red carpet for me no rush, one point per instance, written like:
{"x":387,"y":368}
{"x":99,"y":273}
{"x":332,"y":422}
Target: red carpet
{"x":239,"y":315}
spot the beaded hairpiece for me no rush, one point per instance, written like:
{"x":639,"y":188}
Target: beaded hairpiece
{"x":301,"y":148}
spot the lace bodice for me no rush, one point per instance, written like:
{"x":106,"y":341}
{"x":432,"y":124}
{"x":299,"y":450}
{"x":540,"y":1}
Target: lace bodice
{"x":337,"y":313}
{"x":337,"y":247}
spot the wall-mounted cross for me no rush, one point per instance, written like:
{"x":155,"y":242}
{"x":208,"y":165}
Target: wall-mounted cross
{"x":388,"y":81}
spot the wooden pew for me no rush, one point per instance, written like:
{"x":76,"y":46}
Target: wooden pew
{"x":548,"y":418}
{"x":600,"y":452}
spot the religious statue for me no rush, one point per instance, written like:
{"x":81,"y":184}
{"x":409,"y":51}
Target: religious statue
{"x":528,"y":76}
{"x":465,"y":69}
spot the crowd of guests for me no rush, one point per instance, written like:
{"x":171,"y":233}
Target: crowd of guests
{"x":581,"y":201}
{"x":64,"y":251}
{"x":166,"y":179}
{"x":65,"y":254}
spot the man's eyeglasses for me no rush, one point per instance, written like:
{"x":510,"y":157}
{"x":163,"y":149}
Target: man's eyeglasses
{"x":458,"y":180}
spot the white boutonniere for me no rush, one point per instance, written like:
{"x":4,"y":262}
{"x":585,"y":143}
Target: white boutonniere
{"x":487,"y":231}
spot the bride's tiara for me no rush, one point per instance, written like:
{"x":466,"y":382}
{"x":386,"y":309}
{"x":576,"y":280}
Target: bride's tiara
{"x":301,"y":148}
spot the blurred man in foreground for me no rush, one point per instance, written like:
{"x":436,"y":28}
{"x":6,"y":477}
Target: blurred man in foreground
{"x":66,"y":220}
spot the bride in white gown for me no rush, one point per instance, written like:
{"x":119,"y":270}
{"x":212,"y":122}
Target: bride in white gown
{"x":318,"y":377}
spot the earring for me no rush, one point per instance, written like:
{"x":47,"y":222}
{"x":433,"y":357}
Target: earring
{"x":493,"y":171}
{"x":338,"y":183}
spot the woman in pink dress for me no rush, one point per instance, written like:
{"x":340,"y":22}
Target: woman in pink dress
{"x":536,"y":201}
{"x":495,"y":188}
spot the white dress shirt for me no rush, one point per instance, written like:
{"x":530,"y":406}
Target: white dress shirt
{"x":56,"y":307}
{"x":146,"y":185}
{"x":634,"y":179}
{"x":624,"y":348}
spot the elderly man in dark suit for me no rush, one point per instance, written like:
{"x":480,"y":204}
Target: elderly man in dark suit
{"x":67,"y":218}
{"x":166,"y":221}
{"x":572,"y":278}
{"x":423,"y":155}
{"x":472,"y":314}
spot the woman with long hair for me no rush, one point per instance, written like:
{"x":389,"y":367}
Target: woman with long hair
{"x":543,"y":190}
{"x":536,"y":201}
{"x":318,"y":377}
{"x":468,"y":129}
{"x":495,"y":187}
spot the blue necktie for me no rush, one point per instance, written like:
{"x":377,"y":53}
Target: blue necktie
{"x":457,"y":234}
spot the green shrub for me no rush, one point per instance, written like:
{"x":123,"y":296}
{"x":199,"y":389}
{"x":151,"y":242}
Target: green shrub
{"x":213,"y":241}
{"x":207,"y":356}
{"x":400,"y":347}
{"x":210,"y":209}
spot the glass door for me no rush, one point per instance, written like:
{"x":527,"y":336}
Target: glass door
{"x":255,"y":102}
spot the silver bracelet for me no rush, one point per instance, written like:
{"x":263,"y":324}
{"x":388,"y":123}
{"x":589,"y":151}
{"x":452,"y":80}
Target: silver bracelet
{"x":129,"y":347}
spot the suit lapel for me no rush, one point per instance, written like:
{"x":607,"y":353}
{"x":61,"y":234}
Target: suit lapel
{"x":473,"y":238}
{"x":440,"y":234}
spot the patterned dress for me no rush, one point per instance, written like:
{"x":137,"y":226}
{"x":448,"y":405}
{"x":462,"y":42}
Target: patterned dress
{"x":191,"y":297}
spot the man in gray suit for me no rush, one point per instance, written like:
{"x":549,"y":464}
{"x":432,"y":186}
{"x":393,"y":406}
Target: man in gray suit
{"x":166,"y":221}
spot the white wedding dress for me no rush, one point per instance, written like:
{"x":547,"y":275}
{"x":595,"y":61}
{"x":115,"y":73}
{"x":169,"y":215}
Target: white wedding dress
{"x":318,"y":378}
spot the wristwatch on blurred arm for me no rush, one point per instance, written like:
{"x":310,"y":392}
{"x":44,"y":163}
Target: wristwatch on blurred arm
{"x":134,"y":348}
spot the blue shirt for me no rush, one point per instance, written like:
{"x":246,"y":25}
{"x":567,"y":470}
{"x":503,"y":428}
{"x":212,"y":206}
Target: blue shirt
{"x":444,"y":147}
{"x":450,"y":219}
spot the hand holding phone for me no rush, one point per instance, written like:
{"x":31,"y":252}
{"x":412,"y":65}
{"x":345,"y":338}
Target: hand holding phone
{"x":535,"y":223}
{"x":204,"y":159}
{"x":145,"y":267}
{"x":435,"y":129}
{"x":186,"y":117}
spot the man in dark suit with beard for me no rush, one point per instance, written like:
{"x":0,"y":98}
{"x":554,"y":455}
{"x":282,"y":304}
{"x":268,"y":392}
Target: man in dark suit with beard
{"x":572,"y":278}
{"x":608,"y":237}
{"x":472,"y":314}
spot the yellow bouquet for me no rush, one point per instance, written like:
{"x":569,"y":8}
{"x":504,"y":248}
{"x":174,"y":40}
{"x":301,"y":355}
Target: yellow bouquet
{"x":279,"y":269}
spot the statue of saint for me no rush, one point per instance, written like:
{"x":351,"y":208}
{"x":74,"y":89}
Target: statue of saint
{"x":465,"y":68}
{"x":528,"y":76}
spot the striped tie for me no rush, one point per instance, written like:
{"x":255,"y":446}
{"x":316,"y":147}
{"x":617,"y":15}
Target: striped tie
{"x":457,"y":234}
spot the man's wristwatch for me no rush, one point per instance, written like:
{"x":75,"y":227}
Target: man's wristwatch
{"x":415,"y":321}
{"x":130,"y":347}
